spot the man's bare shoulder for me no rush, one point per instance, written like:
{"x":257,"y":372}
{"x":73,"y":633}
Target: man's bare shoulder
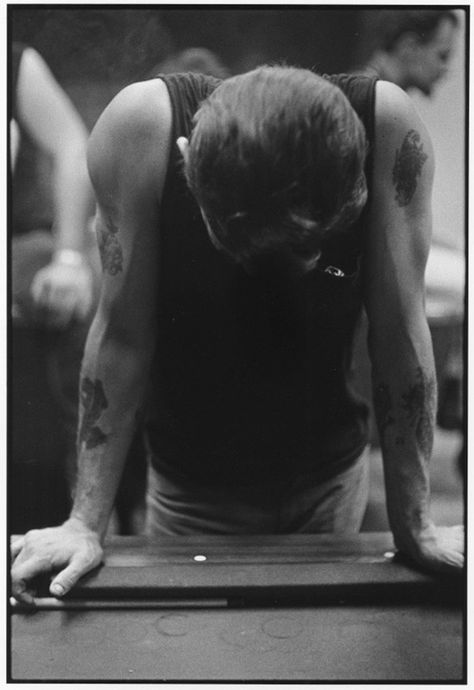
{"x":394,"y":109}
{"x":136,"y":125}
{"x":140,"y":107}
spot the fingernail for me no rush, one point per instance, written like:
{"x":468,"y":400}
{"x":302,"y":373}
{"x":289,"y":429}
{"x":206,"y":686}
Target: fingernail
{"x":57,"y":590}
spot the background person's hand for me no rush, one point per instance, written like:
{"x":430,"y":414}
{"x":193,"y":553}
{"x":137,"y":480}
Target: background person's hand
{"x":68,"y":551}
{"x":439,"y":549}
{"x":63,"y":292}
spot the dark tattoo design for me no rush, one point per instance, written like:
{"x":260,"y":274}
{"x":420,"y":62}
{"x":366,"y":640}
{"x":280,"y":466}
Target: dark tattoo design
{"x":383,"y":407}
{"x":110,"y":249}
{"x":409,"y":160}
{"x":93,"y":403}
{"x":419,"y":404}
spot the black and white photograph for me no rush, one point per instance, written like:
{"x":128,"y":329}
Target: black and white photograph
{"x":236,"y":422}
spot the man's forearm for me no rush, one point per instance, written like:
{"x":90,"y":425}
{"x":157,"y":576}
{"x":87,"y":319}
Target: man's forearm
{"x":404,"y":393}
{"x":99,"y":472}
{"x":111,"y":392}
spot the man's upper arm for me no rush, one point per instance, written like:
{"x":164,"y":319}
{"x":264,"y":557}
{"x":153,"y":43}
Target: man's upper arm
{"x":127,"y":156}
{"x":400,"y":212}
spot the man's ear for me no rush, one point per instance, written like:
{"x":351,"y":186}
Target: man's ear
{"x":183,"y":145}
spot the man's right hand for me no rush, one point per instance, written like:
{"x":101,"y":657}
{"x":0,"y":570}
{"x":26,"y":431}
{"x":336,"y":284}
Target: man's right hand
{"x":68,"y":552}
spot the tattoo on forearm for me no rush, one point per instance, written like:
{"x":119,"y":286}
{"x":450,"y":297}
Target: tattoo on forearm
{"x":409,"y":161}
{"x":383,"y":407}
{"x":419,"y":404}
{"x":110,"y":249}
{"x":93,"y":403}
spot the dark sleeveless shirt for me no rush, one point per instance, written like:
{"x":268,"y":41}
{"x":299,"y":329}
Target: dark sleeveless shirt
{"x":251,"y":377}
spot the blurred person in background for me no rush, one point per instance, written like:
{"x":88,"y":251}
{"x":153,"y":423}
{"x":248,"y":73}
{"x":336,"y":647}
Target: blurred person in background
{"x":194,"y":59}
{"x":61,"y":291}
{"x":52,"y":286}
{"x":231,"y":291}
{"x":412,"y":48}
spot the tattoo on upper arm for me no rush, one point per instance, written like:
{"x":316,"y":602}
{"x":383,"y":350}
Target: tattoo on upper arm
{"x":110,"y":248}
{"x":419,"y":404}
{"x":93,"y":403}
{"x":409,"y":161}
{"x":383,"y":407}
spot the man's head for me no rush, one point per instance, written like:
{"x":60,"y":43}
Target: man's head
{"x":412,"y":47}
{"x":276,"y":161}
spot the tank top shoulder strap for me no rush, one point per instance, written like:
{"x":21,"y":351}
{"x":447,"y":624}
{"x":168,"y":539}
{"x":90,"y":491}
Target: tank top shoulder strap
{"x":360,"y":90}
{"x":187,"y":90}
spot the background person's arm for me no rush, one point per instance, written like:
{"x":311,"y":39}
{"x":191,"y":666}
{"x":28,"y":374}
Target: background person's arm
{"x":64,"y":287}
{"x":404,"y":378}
{"x":51,"y":119}
{"x":128,"y":158}
{"x":14,"y":142}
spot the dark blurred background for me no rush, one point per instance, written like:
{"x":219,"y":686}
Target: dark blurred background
{"x":94,"y":52}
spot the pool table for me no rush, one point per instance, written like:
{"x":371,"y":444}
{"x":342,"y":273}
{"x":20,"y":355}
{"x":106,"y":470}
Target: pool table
{"x":255,"y":608}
